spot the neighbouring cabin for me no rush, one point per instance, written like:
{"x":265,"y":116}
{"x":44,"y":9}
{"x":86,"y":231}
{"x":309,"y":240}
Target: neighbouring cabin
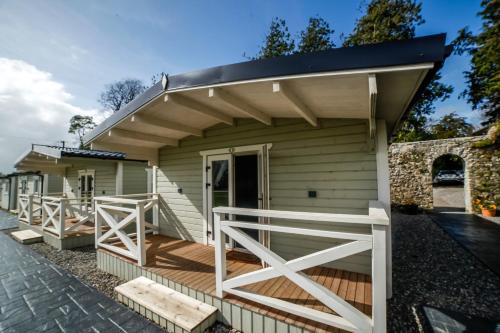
{"x":66,"y":216}
{"x":270,"y":185}
{"x":18,"y":184}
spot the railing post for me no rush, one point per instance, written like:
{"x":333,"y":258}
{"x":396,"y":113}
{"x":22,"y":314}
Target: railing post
{"x":30,"y":209}
{"x":156,"y":213}
{"x":141,"y":237}
{"x":44,"y":213}
{"x":62,"y":217}
{"x":379,"y":286}
{"x":97,"y":224}
{"x":220,"y":256}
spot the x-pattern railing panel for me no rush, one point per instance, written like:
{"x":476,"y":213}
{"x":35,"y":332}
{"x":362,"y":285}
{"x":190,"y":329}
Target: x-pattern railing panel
{"x":117,"y":213}
{"x":346,"y":315}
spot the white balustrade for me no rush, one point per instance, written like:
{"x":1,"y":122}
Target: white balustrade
{"x":347,"y":317}
{"x":116,"y":213}
{"x":56,"y":210}
{"x":30,"y":206}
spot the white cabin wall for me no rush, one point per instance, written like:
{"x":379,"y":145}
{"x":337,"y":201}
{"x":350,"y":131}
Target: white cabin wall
{"x":337,"y":161}
{"x":104,"y":182}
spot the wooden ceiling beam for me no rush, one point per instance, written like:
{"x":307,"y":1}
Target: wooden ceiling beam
{"x":372,"y":102}
{"x":198,"y":107}
{"x":239,"y":105}
{"x":165,"y":124}
{"x":139,"y":136}
{"x":295,"y":102}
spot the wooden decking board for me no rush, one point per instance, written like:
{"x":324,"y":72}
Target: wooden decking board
{"x":192,"y":265}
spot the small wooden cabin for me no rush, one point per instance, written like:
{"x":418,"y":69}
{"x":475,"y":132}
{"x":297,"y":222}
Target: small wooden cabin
{"x":68,"y":213}
{"x":270,"y":192}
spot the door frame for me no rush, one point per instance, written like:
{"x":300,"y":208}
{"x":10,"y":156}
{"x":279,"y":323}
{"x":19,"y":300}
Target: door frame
{"x":85,"y":173}
{"x":262,"y":151}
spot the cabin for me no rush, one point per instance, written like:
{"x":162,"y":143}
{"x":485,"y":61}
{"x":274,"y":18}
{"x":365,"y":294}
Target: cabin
{"x":270,"y":195}
{"x":17,"y":184}
{"x":64,"y":212}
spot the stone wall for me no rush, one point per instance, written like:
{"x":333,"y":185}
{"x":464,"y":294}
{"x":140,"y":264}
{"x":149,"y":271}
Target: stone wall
{"x":411,"y":169}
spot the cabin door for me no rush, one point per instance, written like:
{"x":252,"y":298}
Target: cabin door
{"x":219,"y":187}
{"x":86,"y":184}
{"x":238,"y":178}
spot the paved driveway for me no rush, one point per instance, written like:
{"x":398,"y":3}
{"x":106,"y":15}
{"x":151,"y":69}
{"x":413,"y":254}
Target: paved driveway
{"x":7,"y":220}
{"x":38,"y":296}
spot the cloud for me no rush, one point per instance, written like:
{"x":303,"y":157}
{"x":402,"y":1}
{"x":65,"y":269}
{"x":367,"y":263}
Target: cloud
{"x":34,"y":108}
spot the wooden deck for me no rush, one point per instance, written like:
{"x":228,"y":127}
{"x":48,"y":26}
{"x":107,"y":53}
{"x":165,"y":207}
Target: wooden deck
{"x":192,"y":264}
{"x":83,"y":230}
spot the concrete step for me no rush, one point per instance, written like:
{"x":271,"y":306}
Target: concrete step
{"x":27,"y":236}
{"x":166,"y":306}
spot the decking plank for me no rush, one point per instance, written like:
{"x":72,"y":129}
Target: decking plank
{"x":192,"y":265}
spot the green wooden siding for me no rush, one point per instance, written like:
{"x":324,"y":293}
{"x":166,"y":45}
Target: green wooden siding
{"x":335,"y":161}
{"x":135,"y":178}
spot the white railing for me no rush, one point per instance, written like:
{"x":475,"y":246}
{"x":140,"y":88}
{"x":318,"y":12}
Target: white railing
{"x":56,"y":211}
{"x":347,"y":317}
{"x":117,"y":213}
{"x":30,"y":206}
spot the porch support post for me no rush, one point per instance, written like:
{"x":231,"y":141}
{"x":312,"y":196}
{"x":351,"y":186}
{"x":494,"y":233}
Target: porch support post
{"x":62,"y":217}
{"x":119,"y":178}
{"x":220,"y":256}
{"x":384,"y":191}
{"x":30,"y":209}
{"x":141,"y":237}
{"x":156,"y":205}
{"x":379,"y":279}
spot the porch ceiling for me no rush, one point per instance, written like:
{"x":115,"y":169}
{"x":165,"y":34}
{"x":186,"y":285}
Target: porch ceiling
{"x":180,"y":113}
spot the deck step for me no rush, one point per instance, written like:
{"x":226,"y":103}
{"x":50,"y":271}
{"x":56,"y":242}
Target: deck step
{"x":166,"y":306}
{"x":27,"y":236}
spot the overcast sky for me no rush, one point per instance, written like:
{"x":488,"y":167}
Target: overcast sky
{"x":56,"y":56}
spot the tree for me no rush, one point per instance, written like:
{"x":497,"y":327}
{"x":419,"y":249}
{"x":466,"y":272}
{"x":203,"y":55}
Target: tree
{"x":483,"y":79}
{"x":316,"y":36}
{"x":451,"y":126}
{"x":388,"y":20}
{"x":80,"y":125}
{"x":118,"y":94}
{"x":278,"y":41}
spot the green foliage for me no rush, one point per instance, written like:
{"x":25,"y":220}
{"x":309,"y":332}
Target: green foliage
{"x":316,"y":36}
{"x":451,"y":126}
{"x":492,"y":137}
{"x":388,"y":20}
{"x":278,"y":41}
{"x":80,"y":125}
{"x":483,"y":79}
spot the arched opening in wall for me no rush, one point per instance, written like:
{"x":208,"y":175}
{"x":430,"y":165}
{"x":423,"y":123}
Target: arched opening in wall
{"x":448,"y":178}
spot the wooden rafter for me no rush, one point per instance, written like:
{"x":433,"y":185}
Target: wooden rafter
{"x":198,"y":107}
{"x":372,"y":102}
{"x":295,"y":102}
{"x":239,"y":104}
{"x":139,"y":136}
{"x":165,"y":124}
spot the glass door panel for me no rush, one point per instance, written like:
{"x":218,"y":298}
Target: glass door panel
{"x":219,"y":186}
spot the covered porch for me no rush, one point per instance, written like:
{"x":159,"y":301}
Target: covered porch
{"x":255,"y":289}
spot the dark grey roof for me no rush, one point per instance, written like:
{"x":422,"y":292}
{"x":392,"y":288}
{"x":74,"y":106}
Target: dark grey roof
{"x":89,"y":153}
{"x":395,"y":53}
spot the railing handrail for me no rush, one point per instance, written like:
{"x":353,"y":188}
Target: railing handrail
{"x":376,"y":216}
{"x":126,"y":199}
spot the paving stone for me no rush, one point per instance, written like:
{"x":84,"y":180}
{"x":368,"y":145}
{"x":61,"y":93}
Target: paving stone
{"x":38,"y":296}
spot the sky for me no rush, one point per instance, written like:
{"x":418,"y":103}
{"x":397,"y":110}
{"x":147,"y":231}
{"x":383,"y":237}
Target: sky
{"x":57,"y":56}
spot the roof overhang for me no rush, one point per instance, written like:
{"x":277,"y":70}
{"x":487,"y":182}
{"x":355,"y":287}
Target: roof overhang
{"x":54,"y":160}
{"x":365,"y":82}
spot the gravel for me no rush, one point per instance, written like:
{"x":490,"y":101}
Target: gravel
{"x":431,"y":270}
